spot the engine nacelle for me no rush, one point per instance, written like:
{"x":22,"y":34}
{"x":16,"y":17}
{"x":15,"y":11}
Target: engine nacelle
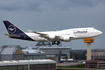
{"x":65,"y":38}
{"x":51,"y":37}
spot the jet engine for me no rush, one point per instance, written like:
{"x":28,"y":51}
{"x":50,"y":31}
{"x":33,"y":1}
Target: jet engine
{"x":65,"y":38}
{"x":51,"y":37}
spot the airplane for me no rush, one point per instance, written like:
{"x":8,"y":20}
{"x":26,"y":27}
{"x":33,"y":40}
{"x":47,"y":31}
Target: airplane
{"x":53,"y":36}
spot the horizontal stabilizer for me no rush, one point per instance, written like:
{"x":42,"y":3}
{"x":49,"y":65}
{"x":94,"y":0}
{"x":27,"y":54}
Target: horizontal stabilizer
{"x":9,"y":36}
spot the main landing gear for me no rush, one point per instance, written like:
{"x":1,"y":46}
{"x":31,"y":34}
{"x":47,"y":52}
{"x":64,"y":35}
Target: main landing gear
{"x":56,"y":43}
{"x":47,"y":43}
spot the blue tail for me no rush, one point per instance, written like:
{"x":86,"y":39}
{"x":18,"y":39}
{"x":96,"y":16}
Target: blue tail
{"x":11,"y":28}
{"x":15,"y":32}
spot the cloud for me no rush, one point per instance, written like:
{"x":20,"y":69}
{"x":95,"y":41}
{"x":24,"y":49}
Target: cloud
{"x":43,"y":5}
{"x":19,"y":5}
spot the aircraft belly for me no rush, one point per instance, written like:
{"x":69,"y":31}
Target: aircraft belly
{"x":38,"y":39}
{"x":80,"y":37}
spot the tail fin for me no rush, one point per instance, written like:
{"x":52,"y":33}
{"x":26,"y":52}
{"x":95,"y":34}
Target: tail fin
{"x":11,"y":28}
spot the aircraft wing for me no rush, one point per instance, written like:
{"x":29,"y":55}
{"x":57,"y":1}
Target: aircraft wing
{"x":54,"y":37}
{"x":41,"y":34}
{"x":72,"y":36}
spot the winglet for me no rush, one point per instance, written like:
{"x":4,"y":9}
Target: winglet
{"x":31,"y":31}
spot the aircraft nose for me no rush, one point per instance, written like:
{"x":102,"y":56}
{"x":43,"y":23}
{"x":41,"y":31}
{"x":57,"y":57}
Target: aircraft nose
{"x":99,"y":32}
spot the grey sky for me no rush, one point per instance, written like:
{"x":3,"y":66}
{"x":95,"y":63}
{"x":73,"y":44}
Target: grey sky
{"x":45,"y":15}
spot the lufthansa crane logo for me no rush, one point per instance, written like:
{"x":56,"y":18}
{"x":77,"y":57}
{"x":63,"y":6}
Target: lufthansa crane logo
{"x":11,"y":29}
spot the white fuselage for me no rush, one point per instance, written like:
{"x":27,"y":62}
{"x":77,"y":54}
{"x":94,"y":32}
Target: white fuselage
{"x":66,"y":35}
{"x":52,"y":36}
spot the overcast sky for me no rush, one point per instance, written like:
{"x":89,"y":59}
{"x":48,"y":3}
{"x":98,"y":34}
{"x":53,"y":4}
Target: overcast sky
{"x":47,"y":15}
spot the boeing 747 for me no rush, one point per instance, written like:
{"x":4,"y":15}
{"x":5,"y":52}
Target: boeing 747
{"x":53,"y":36}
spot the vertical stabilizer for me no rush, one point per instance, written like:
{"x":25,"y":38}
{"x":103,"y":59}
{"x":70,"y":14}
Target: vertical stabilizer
{"x":11,"y":28}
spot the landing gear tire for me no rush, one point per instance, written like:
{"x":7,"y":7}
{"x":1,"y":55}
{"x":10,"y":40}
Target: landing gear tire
{"x":53,"y":43}
{"x":58,"y":42}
